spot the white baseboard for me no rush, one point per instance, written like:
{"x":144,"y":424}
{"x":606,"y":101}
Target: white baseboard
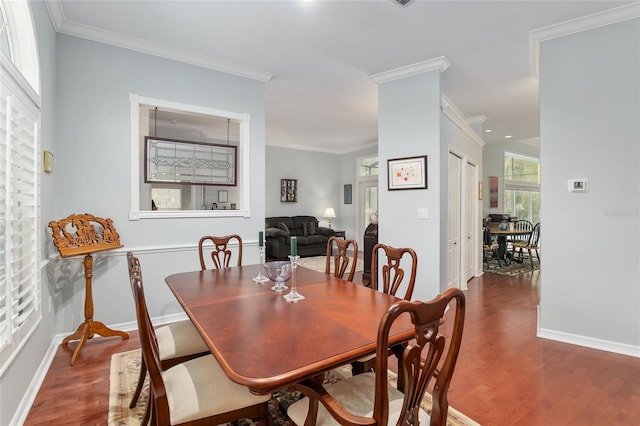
{"x":590,"y":342}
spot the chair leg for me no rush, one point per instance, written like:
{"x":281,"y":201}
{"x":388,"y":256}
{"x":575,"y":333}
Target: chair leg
{"x":141,"y":377}
{"x":538,"y":256}
{"x":531,"y":258}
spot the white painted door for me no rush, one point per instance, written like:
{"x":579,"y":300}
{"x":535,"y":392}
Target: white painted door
{"x":470,"y":215}
{"x":454,"y":251}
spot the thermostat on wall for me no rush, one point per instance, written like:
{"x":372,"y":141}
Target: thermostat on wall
{"x":578,"y":185}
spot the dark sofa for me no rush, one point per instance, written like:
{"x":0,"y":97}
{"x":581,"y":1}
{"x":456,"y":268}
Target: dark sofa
{"x":312,"y":238}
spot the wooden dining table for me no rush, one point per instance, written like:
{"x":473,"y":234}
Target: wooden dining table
{"x":502,"y":235}
{"x":265,"y":343}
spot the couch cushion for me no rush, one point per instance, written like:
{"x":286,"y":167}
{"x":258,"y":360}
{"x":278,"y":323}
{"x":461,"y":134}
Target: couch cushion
{"x":272,"y":222}
{"x":283,"y":226}
{"x":309,"y":228}
{"x":299,"y":220}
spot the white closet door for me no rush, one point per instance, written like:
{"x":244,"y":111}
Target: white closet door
{"x":454,"y":250}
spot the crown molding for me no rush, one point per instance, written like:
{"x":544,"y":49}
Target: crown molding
{"x":440,"y":64}
{"x":453,"y":113}
{"x":325,"y":150}
{"x":63,"y":26}
{"x":577,"y":25}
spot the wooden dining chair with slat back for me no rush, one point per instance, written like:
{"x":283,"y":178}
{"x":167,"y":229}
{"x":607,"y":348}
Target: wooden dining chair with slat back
{"x":220,"y":252}
{"x":193,"y":392}
{"x":533,"y":243}
{"x":177,"y":342}
{"x":520,"y":225}
{"x":339,"y":257}
{"x":369,"y":399}
{"x":393,"y":278}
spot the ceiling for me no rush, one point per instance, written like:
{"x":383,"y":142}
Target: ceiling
{"x":317,"y":57}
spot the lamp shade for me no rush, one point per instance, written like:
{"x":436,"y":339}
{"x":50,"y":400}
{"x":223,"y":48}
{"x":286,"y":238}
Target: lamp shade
{"x":329,"y":213}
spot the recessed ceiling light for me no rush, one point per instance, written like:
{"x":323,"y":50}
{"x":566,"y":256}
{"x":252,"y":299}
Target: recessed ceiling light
{"x":487,"y":130}
{"x":508,"y":137}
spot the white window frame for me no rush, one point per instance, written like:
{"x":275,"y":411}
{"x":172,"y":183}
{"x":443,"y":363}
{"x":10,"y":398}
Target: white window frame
{"x":20,"y":270}
{"x":244,"y":184}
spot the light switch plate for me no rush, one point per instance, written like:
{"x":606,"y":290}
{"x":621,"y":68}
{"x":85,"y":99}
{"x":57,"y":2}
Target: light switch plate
{"x":423,"y":213}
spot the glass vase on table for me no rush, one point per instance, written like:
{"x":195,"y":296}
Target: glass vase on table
{"x":293,"y":296}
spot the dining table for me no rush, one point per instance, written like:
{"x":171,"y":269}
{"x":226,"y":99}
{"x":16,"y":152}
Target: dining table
{"x":502,"y":235}
{"x":265,"y":343}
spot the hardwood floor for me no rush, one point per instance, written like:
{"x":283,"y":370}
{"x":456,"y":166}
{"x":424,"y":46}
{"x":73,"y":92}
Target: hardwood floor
{"x":504,"y":375}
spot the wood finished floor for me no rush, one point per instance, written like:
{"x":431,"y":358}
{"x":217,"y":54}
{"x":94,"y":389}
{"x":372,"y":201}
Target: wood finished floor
{"x":504,"y":375}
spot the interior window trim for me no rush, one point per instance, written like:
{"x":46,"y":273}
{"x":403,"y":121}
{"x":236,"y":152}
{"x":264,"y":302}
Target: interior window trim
{"x":135,"y":213}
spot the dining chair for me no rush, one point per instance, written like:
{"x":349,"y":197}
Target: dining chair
{"x":521,"y":225}
{"x":533,"y":243}
{"x":193,"y":392}
{"x":220,"y":253}
{"x":369,"y":398}
{"x":489,"y":247}
{"x":177,"y":342}
{"x":392,"y":279}
{"x":340,"y":258}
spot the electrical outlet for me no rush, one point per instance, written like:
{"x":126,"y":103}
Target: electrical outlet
{"x":423,"y":213}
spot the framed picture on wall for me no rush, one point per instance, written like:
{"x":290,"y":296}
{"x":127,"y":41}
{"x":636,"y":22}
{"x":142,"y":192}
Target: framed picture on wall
{"x":407,"y":173}
{"x":288,"y":190}
{"x":347,"y":193}
{"x":493,"y":191}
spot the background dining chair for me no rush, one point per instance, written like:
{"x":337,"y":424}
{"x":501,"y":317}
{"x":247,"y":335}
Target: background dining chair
{"x":368,"y":398}
{"x":340,"y":258}
{"x":193,"y":392}
{"x":177,"y":342}
{"x":392,"y":279}
{"x":220,"y":253}
{"x":520,"y":225}
{"x":533,"y":243}
{"x":489,"y":247}
{"x":392,"y":274}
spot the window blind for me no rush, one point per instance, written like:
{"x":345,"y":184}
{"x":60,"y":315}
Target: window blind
{"x":19,"y":273}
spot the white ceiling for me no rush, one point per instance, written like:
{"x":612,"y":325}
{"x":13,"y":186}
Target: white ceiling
{"x":317,"y":56}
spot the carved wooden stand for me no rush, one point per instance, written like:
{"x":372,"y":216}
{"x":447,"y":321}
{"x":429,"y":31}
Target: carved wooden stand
{"x":86,"y":234}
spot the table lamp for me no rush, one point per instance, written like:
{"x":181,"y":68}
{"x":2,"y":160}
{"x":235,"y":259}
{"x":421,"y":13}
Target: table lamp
{"x":329,"y":214}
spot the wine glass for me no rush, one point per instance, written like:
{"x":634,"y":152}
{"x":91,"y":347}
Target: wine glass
{"x":279,"y":272}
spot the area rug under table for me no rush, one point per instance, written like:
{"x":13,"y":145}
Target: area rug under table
{"x":514,"y":268}
{"x":125,"y":367}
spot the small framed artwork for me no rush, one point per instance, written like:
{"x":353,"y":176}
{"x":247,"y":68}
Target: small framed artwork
{"x":479,"y":190}
{"x":493,"y":191}
{"x":288,"y":190}
{"x":347,"y":194}
{"x":407,"y":173}
{"x":223,"y":196}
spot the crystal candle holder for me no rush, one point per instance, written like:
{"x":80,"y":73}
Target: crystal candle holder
{"x":293,"y":296}
{"x":261,"y":279}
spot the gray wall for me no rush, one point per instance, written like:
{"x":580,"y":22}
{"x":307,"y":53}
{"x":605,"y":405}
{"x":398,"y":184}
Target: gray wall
{"x":318,"y":176}
{"x":590,"y":104}
{"x":409,"y":125}
{"x":92,"y":166}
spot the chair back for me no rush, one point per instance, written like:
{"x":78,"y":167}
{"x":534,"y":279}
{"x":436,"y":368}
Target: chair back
{"x":486,"y":236}
{"x":150,"y":352}
{"x":534,"y":237}
{"x":424,"y":359}
{"x":522,"y":225}
{"x":220,"y":253}
{"x":340,"y":258}
{"x":392,"y":274}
